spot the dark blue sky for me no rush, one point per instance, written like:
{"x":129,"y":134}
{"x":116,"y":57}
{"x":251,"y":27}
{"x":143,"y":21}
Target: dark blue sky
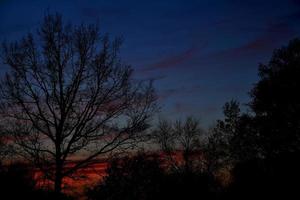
{"x":201,"y":53}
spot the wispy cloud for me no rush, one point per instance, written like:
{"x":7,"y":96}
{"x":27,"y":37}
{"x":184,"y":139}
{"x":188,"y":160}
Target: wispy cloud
{"x":96,"y":12}
{"x":179,"y":91}
{"x":269,"y":39}
{"x":173,"y":61}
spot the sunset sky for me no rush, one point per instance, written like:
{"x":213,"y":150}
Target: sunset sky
{"x":201,"y":53}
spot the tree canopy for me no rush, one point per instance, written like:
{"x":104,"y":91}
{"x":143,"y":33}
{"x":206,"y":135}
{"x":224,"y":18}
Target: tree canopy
{"x":276,"y":101}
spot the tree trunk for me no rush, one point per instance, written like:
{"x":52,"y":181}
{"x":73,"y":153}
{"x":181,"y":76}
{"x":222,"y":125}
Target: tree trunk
{"x":58,"y":181}
{"x":186,"y":161}
{"x":58,"y":171}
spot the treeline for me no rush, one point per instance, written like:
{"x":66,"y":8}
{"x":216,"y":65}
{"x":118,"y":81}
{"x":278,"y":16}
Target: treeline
{"x":68,"y":93}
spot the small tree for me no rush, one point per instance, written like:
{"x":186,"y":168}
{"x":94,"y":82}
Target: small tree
{"x":183,"y":137}
{"x":218,"y":146}
{"x":68,"y":96}
{"x":233,"y":139}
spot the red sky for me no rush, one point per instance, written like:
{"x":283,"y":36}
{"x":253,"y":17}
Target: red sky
{"x":82,"y":179}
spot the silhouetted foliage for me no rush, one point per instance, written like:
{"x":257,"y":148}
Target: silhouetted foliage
{"x":261,"y":178}
{"x":272,"y":134}
{"x":218,"y":149}
{"x":276,"y":102}
{"x":244,"y":145}
{"x":17,"y":182}
{"x":144,"y":177}
{"x":68,"y":93}
{"x":192,"y":185}
{"x":234,"y":139}
{"x":134,"y":178}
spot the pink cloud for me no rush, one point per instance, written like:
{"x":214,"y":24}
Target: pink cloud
{"x":267,"y":40}
{"x":173,"y":61}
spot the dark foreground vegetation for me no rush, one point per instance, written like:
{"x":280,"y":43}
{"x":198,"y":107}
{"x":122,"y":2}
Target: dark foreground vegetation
{"x":246,"y":155}
{"x":17,"y":182}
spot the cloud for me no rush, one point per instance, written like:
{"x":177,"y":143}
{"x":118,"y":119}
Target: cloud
{"x":107,"y":11}
{"x":180,"y":91}
{"x":268,"y":40}
{"x":270,"y":37}
{"x":173,"y":61}
{"x":295,"y":16}
{"x":274,"y":32}
{"x":183,"y":108}
{"x":156,"y":78}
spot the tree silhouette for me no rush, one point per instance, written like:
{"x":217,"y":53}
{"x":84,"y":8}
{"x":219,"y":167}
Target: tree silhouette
{"x":218,"y":149}
{"x":16,"y":181}
{"x":233,"y":139}
{"x":266,"y":145}
{"x":68,"y":93}
{"x":133,"y":178}
{"x":183,"y":138}
{"x":276,"y":103}
{"x":144,"y":176}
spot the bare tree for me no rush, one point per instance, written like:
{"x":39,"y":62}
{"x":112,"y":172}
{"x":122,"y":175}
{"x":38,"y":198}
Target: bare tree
{"x":183,"y":138}
{"x":165,"y":137}
{"x":68,"y":96}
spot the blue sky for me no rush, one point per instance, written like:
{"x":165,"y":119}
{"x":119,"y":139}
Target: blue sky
{"x":201,"y":53}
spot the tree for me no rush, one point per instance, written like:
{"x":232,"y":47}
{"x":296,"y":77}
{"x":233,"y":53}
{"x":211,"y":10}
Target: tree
{"x":68,"y":96}
{"x":218,"y":147}
{"x":183,"y":137}
{"x":276,"y":102}
{"x":266,"y":145}
{"x":164,"y":136}
{"x":233,"y":139}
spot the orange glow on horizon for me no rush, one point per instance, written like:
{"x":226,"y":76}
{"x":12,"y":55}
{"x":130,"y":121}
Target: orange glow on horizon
{"x":76,"y":184}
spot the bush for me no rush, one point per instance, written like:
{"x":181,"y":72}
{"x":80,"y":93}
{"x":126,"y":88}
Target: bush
{"x":17,"y":182}
{"x":142,"y":177}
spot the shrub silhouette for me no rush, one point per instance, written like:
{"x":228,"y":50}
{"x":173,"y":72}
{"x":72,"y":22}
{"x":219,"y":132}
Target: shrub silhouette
{"x":195,"y":185}
{"x":17,"y":182}
{"x":132,"y":178}
{"x":265,"y":178}
{"x":142,"y":177}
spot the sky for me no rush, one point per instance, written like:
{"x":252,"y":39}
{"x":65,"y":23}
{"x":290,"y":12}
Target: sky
{"x":201,"y":53}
